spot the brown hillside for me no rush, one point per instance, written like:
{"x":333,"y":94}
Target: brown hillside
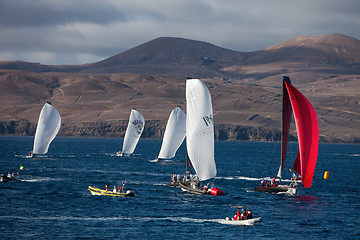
{"x":96,"y":99}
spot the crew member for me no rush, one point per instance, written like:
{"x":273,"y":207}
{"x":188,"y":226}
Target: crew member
{"x":243,"y":214}
{"x":263,"y":183}
{"x":122,"y":187}
{"x":273,"y":182}
{"x":249,"y":214}
{"x":237,"y":215}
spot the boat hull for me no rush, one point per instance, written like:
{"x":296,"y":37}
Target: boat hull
{"x":6,"y":179}
{"x":173,"y":184}
{"x":102,"y":192}
{"x":246,"y":222}
{"x":187,"y":187}
{"x":277,"y":189}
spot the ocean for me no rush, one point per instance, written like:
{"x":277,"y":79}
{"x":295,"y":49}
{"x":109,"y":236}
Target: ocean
{"x":51,"y":199}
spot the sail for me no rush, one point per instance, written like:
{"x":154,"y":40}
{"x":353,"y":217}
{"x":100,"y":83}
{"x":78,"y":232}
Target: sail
{"x":308,"y":134}
{"x":286,"y":120}
{"x":133,"y":131}
{"x":200,"y":129}
{"x":48,"y":126}
{"x":174,"y":134}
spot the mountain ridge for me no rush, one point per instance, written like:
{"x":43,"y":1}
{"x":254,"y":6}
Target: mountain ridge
{"x":94,"y":99}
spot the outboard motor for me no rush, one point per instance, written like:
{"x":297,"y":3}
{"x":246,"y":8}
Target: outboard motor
{"x":130,"y":192}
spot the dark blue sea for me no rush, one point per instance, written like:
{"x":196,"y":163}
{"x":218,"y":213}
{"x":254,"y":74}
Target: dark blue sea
{"x":51,"y":200}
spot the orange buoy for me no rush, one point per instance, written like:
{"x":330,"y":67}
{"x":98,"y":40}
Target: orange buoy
{"x":326,"y":175}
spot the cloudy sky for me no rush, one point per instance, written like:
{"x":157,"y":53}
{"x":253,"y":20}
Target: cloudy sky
{"x":83,"y":31}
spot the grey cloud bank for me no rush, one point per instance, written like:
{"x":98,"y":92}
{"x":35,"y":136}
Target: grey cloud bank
{"x":83,"y":31}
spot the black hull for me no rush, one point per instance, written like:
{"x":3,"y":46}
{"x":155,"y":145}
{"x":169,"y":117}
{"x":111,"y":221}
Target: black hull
{"x":6,"y":179}
{"x":276,"y":189}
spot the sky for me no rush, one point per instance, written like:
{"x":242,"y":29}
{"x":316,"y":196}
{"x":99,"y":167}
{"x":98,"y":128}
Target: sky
{"x":84,"y":31}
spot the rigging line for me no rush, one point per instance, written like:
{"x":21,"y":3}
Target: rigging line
{"x":271,"y":157}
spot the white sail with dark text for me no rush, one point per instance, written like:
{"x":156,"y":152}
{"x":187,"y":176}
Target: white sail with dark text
{"x":133,"y":132}
{"x":200,"y":129}
{"x":47,"y":127}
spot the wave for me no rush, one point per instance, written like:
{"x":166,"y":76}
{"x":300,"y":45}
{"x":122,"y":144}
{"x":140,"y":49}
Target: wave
{"x":244,"y":178}
{"x":120,"y":218}
{"x":41,"y":179}
{"x":251,"y":178}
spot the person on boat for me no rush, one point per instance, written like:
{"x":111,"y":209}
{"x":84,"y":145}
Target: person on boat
{"x":249,"y":214}
{"x":198,"y":184}
{"x":294,"y":177}
{"x":206,"y":187}
{"x":107,"y":187}
{"x":273,"y":183}
{"x":243,"y":214}
{"x":31,"y":154}
{"x":263,"y":182}
{"x":178,"y":178}
{"x":115,"y":189}
{"x":293,"y":181}
{"x":237,"y":215}
{"x":122,"y":187}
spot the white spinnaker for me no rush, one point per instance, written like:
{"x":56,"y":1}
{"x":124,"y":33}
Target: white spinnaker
{"x":200,"y":129}
{"x":174,"y":134}
{"x":48,"y":126}
{"x":133,"y":132}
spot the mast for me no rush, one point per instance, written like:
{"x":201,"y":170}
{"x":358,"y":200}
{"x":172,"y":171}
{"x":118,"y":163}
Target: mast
{"x":286,"y":121}
{"x":188,"y":166}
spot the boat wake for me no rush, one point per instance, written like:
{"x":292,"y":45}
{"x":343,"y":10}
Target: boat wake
{"x":40,"y":179}
{"x":251,"y":178}
{"x":118,"y":218}
{"x":244,"y":178}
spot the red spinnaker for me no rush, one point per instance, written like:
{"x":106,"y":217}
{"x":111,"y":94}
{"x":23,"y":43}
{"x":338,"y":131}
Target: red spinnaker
{"x":308,"y":134}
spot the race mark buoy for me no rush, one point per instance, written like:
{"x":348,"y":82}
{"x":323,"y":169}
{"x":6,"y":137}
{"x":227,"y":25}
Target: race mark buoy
{"x":326,"y":175}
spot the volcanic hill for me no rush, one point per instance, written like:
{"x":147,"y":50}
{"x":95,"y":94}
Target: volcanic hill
{"x":95,"y":99}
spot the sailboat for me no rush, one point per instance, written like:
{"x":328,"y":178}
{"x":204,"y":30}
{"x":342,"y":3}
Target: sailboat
{"x":47,"y":128}
{"x":308,"y":137}
{"x":133,"y":132}
{"x":174,"y":134}
{"x":199,"y":138}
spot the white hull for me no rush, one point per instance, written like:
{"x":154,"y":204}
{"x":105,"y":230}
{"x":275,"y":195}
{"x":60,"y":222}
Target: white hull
{"x":247,"y":222}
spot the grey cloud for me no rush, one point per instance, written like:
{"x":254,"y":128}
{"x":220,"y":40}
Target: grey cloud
{"x":93,"y":30}
{"x":22,"y":13}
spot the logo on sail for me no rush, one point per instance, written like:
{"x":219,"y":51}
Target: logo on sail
{"x":138,"y":126}
{"x":208,"y":120}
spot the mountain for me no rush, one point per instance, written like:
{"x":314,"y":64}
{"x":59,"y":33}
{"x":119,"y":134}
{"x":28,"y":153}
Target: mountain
{"x":183,"y":57}
{"x":175,"y":56}
{"x":95,"y":99}
{"x":333,"y":49}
